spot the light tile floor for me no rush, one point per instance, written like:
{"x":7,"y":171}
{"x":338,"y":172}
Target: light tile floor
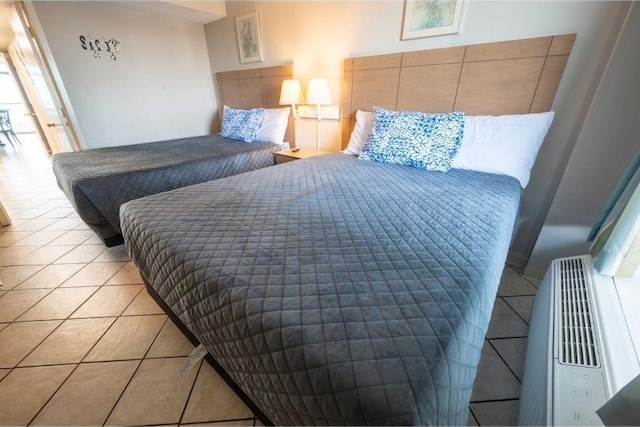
{"x":82,"y":343}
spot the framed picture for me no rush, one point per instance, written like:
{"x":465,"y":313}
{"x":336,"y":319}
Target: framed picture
{"x":248,"y":32}
{"x":425,"y":18}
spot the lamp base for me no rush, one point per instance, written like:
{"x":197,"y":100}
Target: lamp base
{"x":318,"y":127}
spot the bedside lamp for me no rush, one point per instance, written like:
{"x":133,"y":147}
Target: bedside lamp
{"x":291,"y":94}
{"x":318,"y":94}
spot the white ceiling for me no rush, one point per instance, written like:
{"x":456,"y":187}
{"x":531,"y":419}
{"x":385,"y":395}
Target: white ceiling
{"x":197,"y":11}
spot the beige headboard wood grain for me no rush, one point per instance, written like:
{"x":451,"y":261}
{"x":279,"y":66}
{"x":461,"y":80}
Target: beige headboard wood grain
{"x":511,"y":77}
{"x":256,"y":87}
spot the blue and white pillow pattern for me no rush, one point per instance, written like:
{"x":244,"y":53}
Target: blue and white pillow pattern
{"x":421,"y":140}
{"x":242,"y":125}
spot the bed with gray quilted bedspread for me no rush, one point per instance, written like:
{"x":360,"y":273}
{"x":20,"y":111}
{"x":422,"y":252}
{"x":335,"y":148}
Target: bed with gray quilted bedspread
{"x":334,"y":290}
{"x":98,"y":181}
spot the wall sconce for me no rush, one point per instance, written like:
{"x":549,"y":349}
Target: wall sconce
{"x":318,"y":94}
{"x":291,"y":94}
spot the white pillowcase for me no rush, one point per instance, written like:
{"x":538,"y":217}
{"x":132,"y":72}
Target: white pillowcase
{"x":274,"y":125}
{"x":505,"y":145}
{"x":362,"y":129}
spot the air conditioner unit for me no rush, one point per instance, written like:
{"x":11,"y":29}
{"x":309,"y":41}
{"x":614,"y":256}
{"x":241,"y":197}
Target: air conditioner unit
{"x":583,"y":345}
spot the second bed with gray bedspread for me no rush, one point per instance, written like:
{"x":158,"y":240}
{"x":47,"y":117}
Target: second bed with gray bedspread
{"x":98,"y":181}
{"x":334,"y":290}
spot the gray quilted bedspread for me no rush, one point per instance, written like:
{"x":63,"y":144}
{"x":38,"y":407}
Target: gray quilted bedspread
{"x":335,"y":290}
{"x":99,"y":181}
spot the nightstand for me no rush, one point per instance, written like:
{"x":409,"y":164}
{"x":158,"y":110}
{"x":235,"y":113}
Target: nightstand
{"x":304,"y":153}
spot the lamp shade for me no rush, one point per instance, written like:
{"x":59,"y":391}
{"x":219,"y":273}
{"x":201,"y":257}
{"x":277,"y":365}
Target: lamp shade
{"x":318,"y":92}
{"x":291,"y":93}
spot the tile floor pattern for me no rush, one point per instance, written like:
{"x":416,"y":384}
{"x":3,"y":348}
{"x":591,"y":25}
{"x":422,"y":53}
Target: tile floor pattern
{"x":82,"y":343}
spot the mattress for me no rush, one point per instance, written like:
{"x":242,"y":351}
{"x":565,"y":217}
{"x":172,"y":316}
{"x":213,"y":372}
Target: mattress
{"x":334,"y":290}
{"x":97,"y":182}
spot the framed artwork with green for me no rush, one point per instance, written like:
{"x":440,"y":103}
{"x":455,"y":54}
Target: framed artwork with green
{"x":426,"y":18}
{"x":248,"y":32}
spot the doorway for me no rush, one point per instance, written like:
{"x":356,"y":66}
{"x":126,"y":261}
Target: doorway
{"x":26,"y":134}
{"x":36,"y":111}
{"x":22,"y":152}
{"x":34,"y":75}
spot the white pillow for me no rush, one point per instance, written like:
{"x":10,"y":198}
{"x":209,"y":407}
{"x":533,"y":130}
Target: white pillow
{"x":362,"y":129}
{"x":505,"y":145}
{"x":274,"y":125}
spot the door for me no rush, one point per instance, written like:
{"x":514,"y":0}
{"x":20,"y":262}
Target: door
{"x":39,"y":86}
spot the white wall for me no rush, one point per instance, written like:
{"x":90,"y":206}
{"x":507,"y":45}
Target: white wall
{"x":160,"y":86}
{"x":608,"y":141}
{"x":317,"y":35}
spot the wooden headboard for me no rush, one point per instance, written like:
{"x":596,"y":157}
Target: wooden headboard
{"x":257,"y":87}
{"x":512,"y":77}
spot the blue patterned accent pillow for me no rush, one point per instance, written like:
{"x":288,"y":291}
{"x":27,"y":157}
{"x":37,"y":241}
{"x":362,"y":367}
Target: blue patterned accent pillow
{"x":242,"y":125}
{"x":421,"y":140}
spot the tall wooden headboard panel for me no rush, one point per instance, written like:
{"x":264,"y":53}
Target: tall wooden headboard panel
{"x":257,"y":87}
{"x":511,"y":77}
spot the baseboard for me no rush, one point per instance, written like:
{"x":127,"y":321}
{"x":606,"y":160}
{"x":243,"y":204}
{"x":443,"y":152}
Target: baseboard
{"x":534,"y":272}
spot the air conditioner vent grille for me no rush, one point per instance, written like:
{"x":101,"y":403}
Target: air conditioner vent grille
{"x":578,"y":344}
